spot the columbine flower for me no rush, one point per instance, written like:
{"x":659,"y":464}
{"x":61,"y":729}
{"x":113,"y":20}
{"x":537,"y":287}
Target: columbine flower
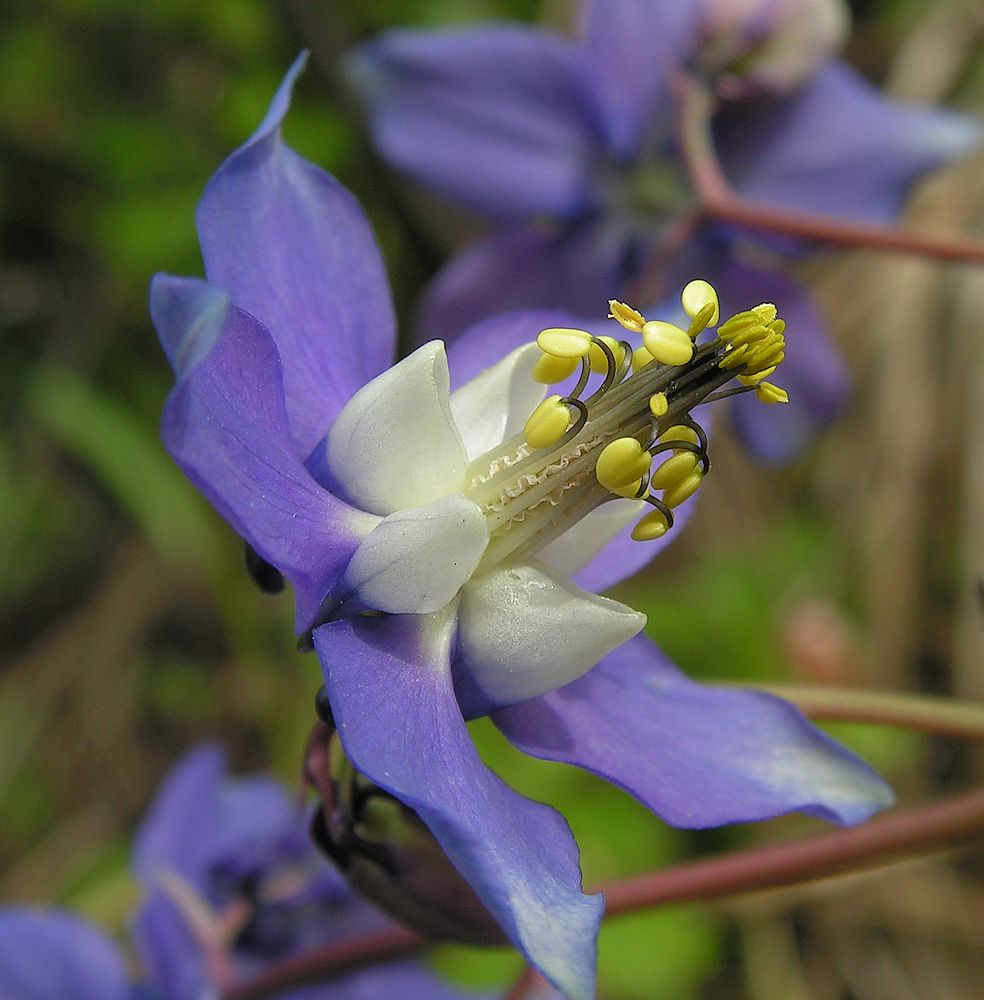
{"x":570,"y":146}
{"x":430,"y":535}
{"x":233,"y":884}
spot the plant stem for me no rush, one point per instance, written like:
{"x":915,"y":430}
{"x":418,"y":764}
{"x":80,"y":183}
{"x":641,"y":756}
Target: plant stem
{"x":717,"y":200}
{"x":919,"y":830}
{"x":939,"y":716}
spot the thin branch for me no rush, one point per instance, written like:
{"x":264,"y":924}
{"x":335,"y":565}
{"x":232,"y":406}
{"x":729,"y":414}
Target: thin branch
{"x":326,"y":963}
{"x":919,"y":830}
{"x":717,"y":200}
{"x":939,"y":716}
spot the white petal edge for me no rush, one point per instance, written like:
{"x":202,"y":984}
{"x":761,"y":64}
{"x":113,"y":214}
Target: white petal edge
{"x":524,"y":630}
{"x":577,"y":546}
{"x":395,"y":444}
{"x":415,"y":561}
{"x":496,"y":404}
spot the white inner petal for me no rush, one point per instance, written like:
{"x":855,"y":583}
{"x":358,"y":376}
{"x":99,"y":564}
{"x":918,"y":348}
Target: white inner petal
{"x":415,"y":561}
{"x":523,"y":630}
{"x":496,"y":404}
{"x":577,"y":546}
{"x":395,"y":444}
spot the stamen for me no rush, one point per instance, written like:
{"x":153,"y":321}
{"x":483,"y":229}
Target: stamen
{"x":564,"y":342}
{"x":673,"y":470}
{"x":547,"y":423}
{"x":640,"y":358}
{"x":667,"y":343}
{"x":602,"y":361}
{"x":651,"y":526}
{"x":621,"y":463}
{"x":696,"y":297}
{"x":658,"y":404}
{"x":683,"y":490}
{"x":628,"y":317}
{"x":769,"y":393}
{"x":549,"y":370}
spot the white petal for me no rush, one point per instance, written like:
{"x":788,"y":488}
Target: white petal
{"x":496,"y":404}
{"x":415,"y":561}
{"x":523,"y":631}
{"x":577,"y":546}
{"x":395,"y":444}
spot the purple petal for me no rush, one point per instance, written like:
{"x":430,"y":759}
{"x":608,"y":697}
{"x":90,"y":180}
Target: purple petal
{"x":226,"y":426}
{"x":173,"y":960}
{"x":576,"y":269}
{"x":637,"y":46}
{"x":390,"y":686}
{"x":813,"y":372}
{"x":201,"y":817}
{"x":55,"y":956}
{"x":291,"y":246}
{"x":837,"y":147}
{"x":499,"y":118}
{"x":697,"y":756}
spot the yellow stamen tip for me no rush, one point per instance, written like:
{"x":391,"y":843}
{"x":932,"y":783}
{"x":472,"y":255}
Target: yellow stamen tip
{"x":673,"y":470}
{"x":550,"y":370}
{"x":547,"y":423}
{"x":679,"y":432}
{"x":683,"y":490}
{"x":630,"y":318}
{"x":654,"y":525}
{"x":622,"y":462}
{"x":640,"y":358}
{"x":698,"y":294}
{"x":757,"y":377}
{"x":598,"y":358}
{"x":769,"y":393}
{"x":564,"y":342}
{"x":667,"y":343}
{"x":658,"y":404}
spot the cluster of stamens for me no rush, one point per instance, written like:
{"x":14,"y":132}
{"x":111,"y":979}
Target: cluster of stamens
{"x":653,"y":388}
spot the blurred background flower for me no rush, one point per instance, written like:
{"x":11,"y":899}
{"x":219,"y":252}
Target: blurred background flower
{"x":128,"y":621}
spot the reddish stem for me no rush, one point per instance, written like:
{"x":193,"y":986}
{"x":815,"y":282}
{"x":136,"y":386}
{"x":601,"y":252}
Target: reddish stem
{"x":527,"y":982}
{"x":717,"y":200}
{"x":922,"y":829}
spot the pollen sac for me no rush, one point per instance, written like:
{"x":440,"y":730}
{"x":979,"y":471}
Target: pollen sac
{"x":640,"y":358}
{"x":679,"y":432}
{"x":549,"y":369}
{"x":769,"y":393}
{"x":683,"y":489}
{"x":673,"y":470}
{"x":647,"y":529}
{"x":667,"y":343}
{"x":630,"y":318}
{"x":699,"y":299}
{"x":564,"y":342}
{"x":599,"y":360}
{"x":548,"y":423}
{"x":387,"y":853}
{"x":658,"y":404}
{"x":622,"y":464}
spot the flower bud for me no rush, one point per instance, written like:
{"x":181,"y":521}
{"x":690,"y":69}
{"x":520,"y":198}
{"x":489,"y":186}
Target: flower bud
{"x":753,"y":47}
{"x":387,"y":854}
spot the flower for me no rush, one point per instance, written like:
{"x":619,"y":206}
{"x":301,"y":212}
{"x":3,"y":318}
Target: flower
{"x":365,"y":486}
{"x":232,"y":885}
{"x":572,"y":147}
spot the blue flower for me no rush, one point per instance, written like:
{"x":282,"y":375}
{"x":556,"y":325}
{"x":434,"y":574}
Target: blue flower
{"x":365,"y":485}
{"x":232,"y":885}
{"x":569,"y":145}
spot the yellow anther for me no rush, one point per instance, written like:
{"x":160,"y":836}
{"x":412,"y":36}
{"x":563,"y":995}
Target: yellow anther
{"x":679,"y":432}
{"x":696,"y":295}
{"x":622,"y":462}
{"x":734,"y":358}
{"x":630,"y":318}
{"x":548,"y":423}
{"x":550,"y":370}
{"x":766,"y":312}
{"x":667,"y":343}
{"x":658,"y":404}
{"x":630,"y":492}
{"x":673,"y":470}
{"x":640,"y":358}
{"x":599,"y":361}
{"x":701,"y":321}
{"x":654,"y":525}
{"x":769,"y":393}
{"x":683,"y":490}
{"x":564,"y":342}
{"x":757,"y":377}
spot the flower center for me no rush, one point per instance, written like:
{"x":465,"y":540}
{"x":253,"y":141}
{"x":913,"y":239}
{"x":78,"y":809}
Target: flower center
{"x":632,"y":435}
